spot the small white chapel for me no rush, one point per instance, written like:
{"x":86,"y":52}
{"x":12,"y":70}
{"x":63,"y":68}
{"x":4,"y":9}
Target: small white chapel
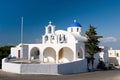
{"x":58,"y":46}
{"x":61,"y":52}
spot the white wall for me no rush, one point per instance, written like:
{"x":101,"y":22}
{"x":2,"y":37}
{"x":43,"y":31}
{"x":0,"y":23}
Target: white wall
{"x":66,"y":68}
{"x":10,"y":67}
{"x":73,"y":67}
{"x":39,"y":69}
{"x":114,"y":56}
{"x":14,"y":51}
{"x":114,"y":53}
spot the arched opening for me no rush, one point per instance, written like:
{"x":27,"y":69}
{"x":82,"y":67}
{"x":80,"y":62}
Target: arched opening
{"x":65,"y":55}
{"x":80,"y":53}
{"x":35,"y":53}
{"x":49,"y":55}
{"x":49,"y":29}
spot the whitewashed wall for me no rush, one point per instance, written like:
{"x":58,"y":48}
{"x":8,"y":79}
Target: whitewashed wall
{"x":73,"y":67}
{"x":10,"y":67}
{"x":39,"y":69}
{"x":14,"y":51}
{"x":66,"y":68}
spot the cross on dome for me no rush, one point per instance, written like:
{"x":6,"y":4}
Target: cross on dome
{"x":75,"y":24}
{"x":75,"y":20}
{"x":50,"y":22}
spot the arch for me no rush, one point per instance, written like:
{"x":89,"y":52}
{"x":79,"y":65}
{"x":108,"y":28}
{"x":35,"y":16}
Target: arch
{"x":34,"y":53}
{"x":49,"y":29}
{"x":65,"y":55}
{"x":49,"y":55}
{"x":80,"y":53}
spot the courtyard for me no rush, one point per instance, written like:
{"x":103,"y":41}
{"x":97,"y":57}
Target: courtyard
{"x":97,"y":75}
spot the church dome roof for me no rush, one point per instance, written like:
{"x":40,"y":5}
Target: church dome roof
{"x":75,"y":24}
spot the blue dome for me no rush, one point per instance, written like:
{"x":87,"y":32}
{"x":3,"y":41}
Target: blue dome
{"x":75,"y":24}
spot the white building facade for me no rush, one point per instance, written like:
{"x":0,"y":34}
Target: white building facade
{"x":58,"y":46}
{"x":114,"y":57}
{"x":61,"y":52}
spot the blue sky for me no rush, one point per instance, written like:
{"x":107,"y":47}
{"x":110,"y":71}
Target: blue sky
{"x":103,"y":14}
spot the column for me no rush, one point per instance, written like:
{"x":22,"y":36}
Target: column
{"x":57,"y":57}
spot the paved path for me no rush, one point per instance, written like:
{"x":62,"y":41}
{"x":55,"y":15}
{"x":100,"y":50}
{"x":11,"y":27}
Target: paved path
{"x":98,"y":75}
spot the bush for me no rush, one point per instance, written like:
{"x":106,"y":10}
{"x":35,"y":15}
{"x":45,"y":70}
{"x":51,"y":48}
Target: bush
{"x":101,"y":65}
{"x":4,"y":52}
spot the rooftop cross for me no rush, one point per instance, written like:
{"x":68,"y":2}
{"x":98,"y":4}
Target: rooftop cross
{"x":50,"y":22}
{"x":75,"y":20}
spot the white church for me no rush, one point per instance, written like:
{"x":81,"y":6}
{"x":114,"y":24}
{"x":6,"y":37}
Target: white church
{"x":61,"y":52}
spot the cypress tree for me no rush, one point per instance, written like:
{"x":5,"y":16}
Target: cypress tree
{"x":92,"y":42}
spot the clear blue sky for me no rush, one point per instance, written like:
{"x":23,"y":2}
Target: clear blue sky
{"x":103,"y":14}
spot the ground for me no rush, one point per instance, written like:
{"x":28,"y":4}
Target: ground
{"x":97,"y":75}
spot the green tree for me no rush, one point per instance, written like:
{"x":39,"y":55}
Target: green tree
{"x":4,"y":52}
{"x":92,"y":44}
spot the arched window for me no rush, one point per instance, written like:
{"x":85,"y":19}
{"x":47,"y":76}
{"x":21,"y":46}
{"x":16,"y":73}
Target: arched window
{"x":79,"y":55}
{"x":62,"y":38}
{"x":49,"y":29}
{"x":77,"y":29}
{"x":46,"y":38}
{"x":117,"y":55}
{"x":52,"y":37}
{"x":34,"y":54}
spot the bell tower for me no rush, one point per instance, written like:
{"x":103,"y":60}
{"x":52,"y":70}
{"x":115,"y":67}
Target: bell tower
{"x":49,"y":36}
{"x":50,"y":29}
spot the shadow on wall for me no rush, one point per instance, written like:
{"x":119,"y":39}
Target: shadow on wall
{"x":73,"y":67}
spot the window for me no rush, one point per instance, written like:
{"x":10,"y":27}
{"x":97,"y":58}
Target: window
{"x":46,"y":38}
{"x":77,"y":29}
{"x":52,"y":37}
{"x":62,"y":38}
{"x":117,"y":55}
{"x":49,"y":29}
{"x":78,"y":55}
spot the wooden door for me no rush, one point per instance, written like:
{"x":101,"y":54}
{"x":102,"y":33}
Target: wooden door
{"x":18,"y":54}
